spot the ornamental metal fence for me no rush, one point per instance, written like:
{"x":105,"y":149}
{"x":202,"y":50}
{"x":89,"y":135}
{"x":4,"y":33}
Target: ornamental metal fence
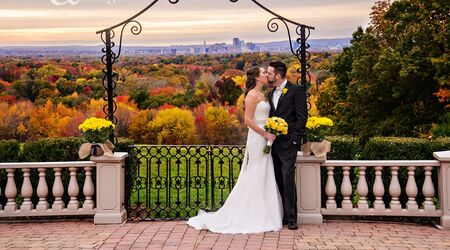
{"x":174,"y":182}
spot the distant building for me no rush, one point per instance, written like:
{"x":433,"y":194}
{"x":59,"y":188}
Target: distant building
{"x":251,"y":46}
{"x":173,"y":52}
{"x":236,"y":42}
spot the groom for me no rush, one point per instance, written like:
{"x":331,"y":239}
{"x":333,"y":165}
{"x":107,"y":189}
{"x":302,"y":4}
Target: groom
{"x":287,"y":101}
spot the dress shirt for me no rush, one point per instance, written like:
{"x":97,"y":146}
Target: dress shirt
{"x":277,"y":93}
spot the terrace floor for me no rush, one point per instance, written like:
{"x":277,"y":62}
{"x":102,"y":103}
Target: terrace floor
{"x":177,"y":235}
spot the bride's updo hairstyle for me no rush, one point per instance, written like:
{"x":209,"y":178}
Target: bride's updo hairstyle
{"x":252,"y":74}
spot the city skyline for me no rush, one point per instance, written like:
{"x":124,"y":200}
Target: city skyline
{"x":74,"y":22}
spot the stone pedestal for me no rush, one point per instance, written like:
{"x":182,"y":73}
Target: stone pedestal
{"x":110,"y":189}
{"x":309,"y":189}
{"x":444,"y":186}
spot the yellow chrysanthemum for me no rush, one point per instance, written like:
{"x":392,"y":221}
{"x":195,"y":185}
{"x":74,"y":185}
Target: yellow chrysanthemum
{"x":315,"y":122}
{"x":95,"y":124}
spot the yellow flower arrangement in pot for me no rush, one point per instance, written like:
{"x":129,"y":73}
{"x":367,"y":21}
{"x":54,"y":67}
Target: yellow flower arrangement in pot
{"x":96,"y":131}
{"x":316,"y":128}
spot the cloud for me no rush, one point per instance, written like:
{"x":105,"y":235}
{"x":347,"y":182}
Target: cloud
{"x":41,"y":22}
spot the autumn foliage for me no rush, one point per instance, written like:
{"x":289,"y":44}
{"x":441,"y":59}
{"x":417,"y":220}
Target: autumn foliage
{"x":168,"y":100}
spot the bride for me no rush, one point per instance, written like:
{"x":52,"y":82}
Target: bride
{"x":254,"y":205}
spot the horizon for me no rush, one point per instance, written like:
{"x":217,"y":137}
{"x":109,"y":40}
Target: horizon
{"x":74,"y":22}
{"x":167,"y":45}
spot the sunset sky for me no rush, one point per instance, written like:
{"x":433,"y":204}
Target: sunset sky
{"x":74,"y":22}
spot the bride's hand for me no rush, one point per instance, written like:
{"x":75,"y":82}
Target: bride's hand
{"x":269,"y":136}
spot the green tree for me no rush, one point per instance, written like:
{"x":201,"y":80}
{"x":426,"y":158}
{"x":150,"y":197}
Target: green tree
{"x":228,"y":90}
{"x":30,"y":85}
{"x":139,"y":97}
{"x":387,"y":80}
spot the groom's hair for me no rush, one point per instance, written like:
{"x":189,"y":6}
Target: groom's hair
{"x":280,"y":68}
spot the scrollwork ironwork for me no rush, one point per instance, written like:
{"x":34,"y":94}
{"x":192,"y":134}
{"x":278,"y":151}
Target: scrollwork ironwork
{"x":201,"y":178}
{"x":110,"y":57}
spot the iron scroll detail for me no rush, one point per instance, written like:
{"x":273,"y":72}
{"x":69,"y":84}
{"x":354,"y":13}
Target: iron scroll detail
{"x":300,"y":50}
{"x":110,"y":56}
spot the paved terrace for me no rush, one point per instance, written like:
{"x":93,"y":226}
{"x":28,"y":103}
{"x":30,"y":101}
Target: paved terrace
{"x":177,"y":235}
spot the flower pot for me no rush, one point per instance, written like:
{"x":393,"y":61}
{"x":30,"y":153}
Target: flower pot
{"x":318,"y":149}
{"x":96,"y":150}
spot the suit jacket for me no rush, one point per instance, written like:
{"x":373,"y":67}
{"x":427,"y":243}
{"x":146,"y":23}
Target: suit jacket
{"x":292,"y":108}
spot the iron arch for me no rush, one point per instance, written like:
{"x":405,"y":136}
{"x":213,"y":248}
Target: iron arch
{"x":298,"y":35}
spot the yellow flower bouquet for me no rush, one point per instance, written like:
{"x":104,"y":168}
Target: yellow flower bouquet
{"x":276,"y":126}
{"x":96,"y":131}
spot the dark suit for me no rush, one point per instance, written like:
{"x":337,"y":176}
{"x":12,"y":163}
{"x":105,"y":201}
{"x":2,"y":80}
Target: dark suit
{"x":292,"y":108}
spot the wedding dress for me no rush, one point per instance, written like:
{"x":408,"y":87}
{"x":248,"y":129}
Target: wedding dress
{"x":254,"y":205}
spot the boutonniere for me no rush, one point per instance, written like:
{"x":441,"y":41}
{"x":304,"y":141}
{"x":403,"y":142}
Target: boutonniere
{"x":284,"y":91}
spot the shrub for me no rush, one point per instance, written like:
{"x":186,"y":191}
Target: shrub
{"x":52,"y":149}
{"x":403,"y":148}
{"x":123,"y":144}
{"x":9,"y":151}
{"x":344,"y":148}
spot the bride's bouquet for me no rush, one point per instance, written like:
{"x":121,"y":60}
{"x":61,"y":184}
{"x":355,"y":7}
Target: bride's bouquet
{"x":276,"y":126}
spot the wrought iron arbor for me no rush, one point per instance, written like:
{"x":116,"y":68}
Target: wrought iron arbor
{"x":110,"y":56}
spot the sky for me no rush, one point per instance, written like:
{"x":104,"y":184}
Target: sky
{"x":74,"y":22}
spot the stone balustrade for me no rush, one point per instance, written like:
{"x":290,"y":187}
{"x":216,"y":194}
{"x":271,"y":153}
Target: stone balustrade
{"x":109,"y":188}
{"x":43,"y":208}
{"x":311,"y":208}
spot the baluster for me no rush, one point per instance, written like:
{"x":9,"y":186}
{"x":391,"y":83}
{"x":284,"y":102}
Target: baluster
{"x":10,"y":192}
{"x":58,"y":190}
{"x":88,"y":189}
{"x":73,"y":189}
{"x":42,"y":191}
{"x":346,"y":189}
{"x":26,"y":191}
{"x":363,"y":190}
{"x":378,"y":190}
{"x":394,"y":190}
{"x":411,"y":190}
{"x":428,"y":190}
{"x":330,"y":189}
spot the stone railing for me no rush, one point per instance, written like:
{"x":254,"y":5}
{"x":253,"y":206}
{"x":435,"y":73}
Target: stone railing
{"x":309,"y":188}
{"x":109,"y":188}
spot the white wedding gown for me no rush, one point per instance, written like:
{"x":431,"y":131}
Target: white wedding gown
{"x":254,"y":205}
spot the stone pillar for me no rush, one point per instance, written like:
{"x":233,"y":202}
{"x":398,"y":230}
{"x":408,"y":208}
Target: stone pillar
{"x":444,"y":186}
{"x":110,"y":186}
{"x":309,"y":189}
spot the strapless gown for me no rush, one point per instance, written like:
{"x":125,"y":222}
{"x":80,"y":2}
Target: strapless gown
{"x":254,"y":205}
